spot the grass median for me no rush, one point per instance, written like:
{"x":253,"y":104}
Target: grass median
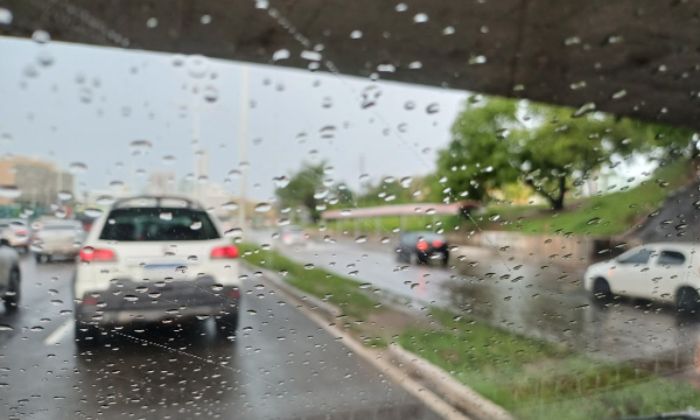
{"x":341,"y":291}
{"x":534,"y":379}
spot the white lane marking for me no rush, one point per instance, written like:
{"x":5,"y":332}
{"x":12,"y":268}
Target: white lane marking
{"x":57,"y":334}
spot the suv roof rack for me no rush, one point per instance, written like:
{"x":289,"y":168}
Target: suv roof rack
{"x":158,"y":199}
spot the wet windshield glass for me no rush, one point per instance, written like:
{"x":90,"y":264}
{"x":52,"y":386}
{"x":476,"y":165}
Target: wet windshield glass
{"x":408,"y":209}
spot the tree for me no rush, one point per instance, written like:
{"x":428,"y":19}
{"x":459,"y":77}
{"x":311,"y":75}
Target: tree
{"x":302,"y":189}
{"x":500,"y":140}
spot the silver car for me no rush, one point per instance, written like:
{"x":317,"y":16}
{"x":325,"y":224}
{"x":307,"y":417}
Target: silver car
{"x":57,"y":239}
{"x":9,"y":276}
{"x":16,"y":232}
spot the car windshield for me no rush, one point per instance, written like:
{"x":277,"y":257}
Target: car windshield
{"x":406,"y":209}
{"x":158,"y":224}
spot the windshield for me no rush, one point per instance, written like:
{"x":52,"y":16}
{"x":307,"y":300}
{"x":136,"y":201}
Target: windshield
{"x":408,"y":209}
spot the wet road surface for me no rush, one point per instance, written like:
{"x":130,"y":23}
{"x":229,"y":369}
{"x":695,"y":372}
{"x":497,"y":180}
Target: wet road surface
{"x":282,"y":365}
{"x":533,"y":298}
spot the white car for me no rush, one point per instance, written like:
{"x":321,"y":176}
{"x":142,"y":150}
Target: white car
{"x":57,"y":239}
{"x":151,"y":259}
{"x":664,"y":272}
{"x":16,"y":233}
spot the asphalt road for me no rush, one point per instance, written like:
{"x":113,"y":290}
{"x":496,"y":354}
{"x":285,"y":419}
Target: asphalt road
{"x":282,"y":365}
{"x":527,"y":296}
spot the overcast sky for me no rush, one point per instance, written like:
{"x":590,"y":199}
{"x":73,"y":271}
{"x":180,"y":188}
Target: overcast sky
{"x":73,"y":103}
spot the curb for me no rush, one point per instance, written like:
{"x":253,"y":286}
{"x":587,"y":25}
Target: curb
{"x":454,"y":391}
{"x":377,"y":359}
{"x":314,"y":303}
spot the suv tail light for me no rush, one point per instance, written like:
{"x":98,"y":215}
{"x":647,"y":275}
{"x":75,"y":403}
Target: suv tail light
{"x":422,"y":245}
{"x":21,"y":232}
{"x":90,"y":254}
{"x":437,"y":243}
{"x":224,"y":252}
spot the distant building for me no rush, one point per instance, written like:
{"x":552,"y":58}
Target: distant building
{"x":37,"y":180}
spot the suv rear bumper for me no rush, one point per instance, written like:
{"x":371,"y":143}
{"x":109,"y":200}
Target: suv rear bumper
{"x":126,"y":303}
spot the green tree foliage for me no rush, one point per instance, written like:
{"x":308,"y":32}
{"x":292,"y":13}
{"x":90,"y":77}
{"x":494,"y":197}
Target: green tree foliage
{"x":301,"y":191}
{"x":498,"y":141}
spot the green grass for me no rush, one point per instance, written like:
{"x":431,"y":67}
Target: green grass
{"x":601,"y":215}
{"x":535,"y":379}
{"x":343,"y":292}
{"x":389,"y":224}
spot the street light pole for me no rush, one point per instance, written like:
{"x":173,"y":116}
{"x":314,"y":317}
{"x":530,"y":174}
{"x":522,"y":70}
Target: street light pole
{"x":243,"y":141}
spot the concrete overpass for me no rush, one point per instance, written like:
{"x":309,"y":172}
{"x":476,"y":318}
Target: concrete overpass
{"x":632,"y":57}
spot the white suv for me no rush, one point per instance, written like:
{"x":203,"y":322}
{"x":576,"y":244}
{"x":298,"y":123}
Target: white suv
{"x":151,"y":259}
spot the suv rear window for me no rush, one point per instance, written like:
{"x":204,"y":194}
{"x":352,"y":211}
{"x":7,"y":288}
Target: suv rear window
{"x":158,"y":224}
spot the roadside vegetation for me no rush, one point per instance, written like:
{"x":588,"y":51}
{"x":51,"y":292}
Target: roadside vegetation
{"x":536,"y":380}
{"x":531,"y":378}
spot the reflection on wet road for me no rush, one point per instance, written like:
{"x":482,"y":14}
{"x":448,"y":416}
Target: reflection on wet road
{"x":282,"y":365}
{"x":535,"y":299}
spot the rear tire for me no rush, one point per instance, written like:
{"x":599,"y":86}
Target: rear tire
{"x":226,"y":326}
{"x":687,"y":301}
{"x":86,"y":335}
{"x":12,"y":296}
{"x":601,"y":290}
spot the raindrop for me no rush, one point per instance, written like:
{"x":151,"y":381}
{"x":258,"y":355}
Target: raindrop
{"x":169,"y":159}
{"x":356,"y":34}
{"x":211,"y":94}
{"x":205,"y":19}
{"x":45,"y":59}
{"x":263,"y":207}
{"x":309,"y":266}
{"x":5,"y":16}
{"x":166,"y":216}
{"x":9,"y":191}
{"x":151,"y":23}
{"x":5,"y":327}
{"x":93,"y":212}
{"x":619,"y":94}
{"x":37,"y":328}
{"x":234,"y":233}
{"x":281,"y":181}
{"x":40,"y":36}
{"x":420,"y":18}
{"x":409,"y":105}
{"x":432,"y":108}
{"x":139,"y":147}
{"x":415,"y":65}
{"x":370,"y":95}
{"x":361,"y":239}
{"x":77,"y":167}
{"x":282,"y":54}
{"x":406,"y":181}
{"x":593,"y":221}
{"x":311,"y":55}
{"x":30,"y":71}
{"x":197,"y":66}
{"x":105,"y":200}
{"x":230,"y":206}
{"x":584,"y":109}
{"x":448,"y":30}
{"x":401,"y":7}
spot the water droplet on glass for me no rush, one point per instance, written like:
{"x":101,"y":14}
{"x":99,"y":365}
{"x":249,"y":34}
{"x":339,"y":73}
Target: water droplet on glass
{"x":234,"y":233}
{"x":356,"y":34}
{"x":140,"y":146}
{"x":65,"y":195}
{"x":281,"y":54}
{"x":5,"y":327}
{"x":448,"y":30}
{"x":151,"y":22}
{"x":211,"y":94}
{"x":77,"y":167}
{"x":281,"y":181}
{"x":432,"y":108}
{"x":45,"y":59}
{"x":420,"y":18}
{"x":361,"y":239}
{"x":93,"y":212}
{"x":40,"y":36}
{"x":401,"y":7}
{"x":9,"y":191}
{"x":309,"y":266}
{"x":263,"y":207}
{"x":5,"y":16}
{"x":105,"y":200}
{"x":205,"y":19}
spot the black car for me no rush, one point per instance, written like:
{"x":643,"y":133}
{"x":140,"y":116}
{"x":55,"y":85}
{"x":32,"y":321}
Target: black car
{"x":421,"y":247}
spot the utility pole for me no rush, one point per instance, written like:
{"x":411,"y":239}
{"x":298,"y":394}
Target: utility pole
{"x":243,"y":141}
